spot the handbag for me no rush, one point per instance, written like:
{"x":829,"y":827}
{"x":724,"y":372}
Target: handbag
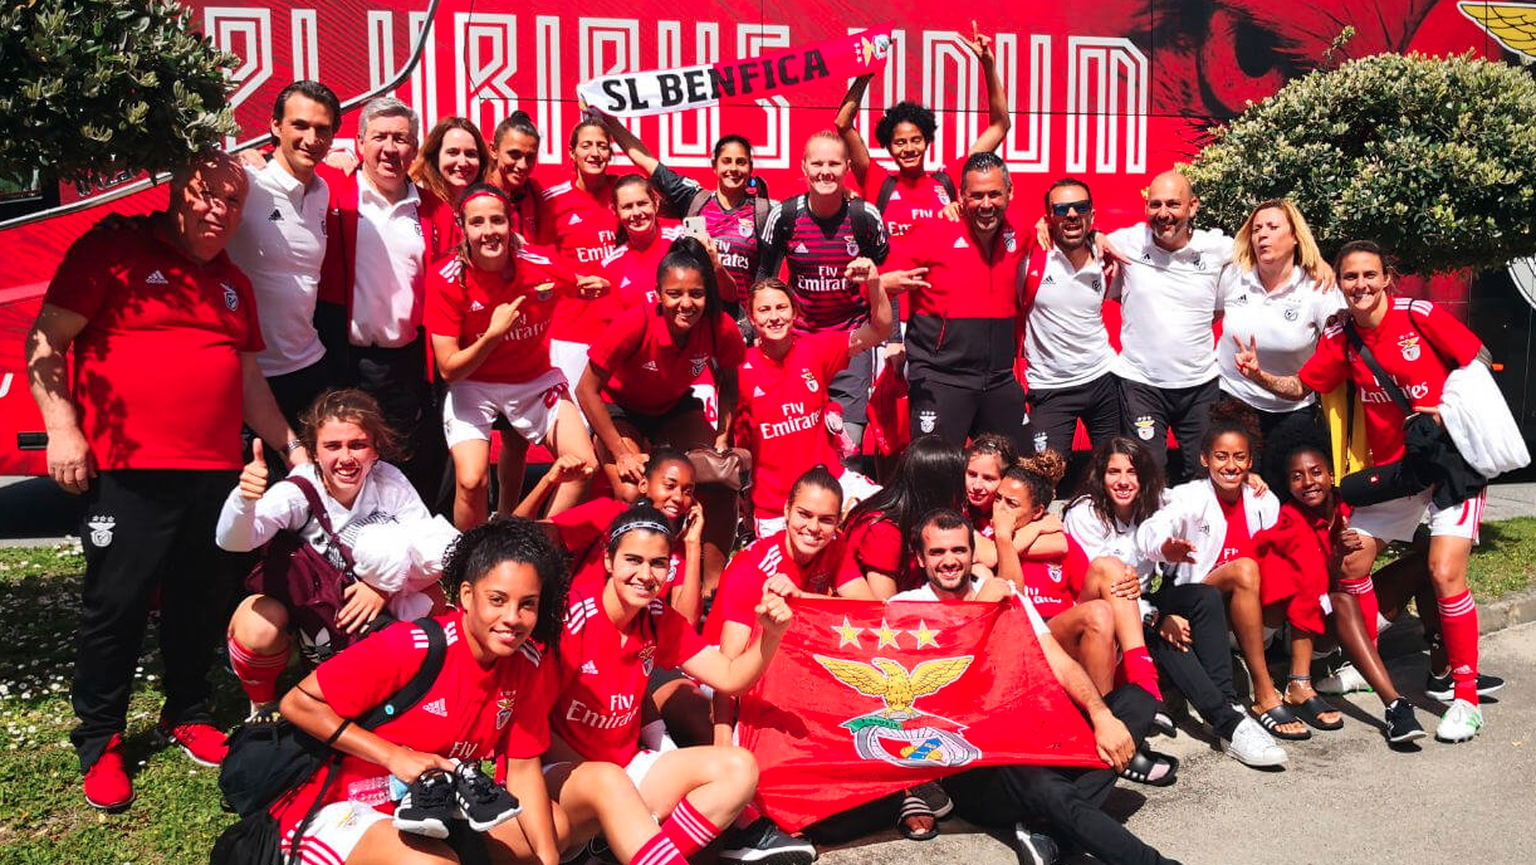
{"x":1429,"y":456}
{"x":730,"y":468}
{"x":311,"y":586}
{"x":269,"y":759}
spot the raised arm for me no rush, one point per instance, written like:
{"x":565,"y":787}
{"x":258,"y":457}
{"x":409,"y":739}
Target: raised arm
{"x":734,"y":675}
{"x":881,"y":321}
{"x":847,"y":127}
{"x":1283,"y":386}
{"x":997,"y":96}
{"x":633,"y":147}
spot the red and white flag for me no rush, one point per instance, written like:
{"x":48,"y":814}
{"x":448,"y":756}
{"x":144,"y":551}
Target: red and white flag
{"x":864,"y":699}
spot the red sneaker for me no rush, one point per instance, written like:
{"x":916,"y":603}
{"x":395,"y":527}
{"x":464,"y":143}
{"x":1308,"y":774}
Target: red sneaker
{"x":204,"y":743}
{"x":106,"y":783}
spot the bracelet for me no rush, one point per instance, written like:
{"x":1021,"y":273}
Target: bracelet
{"x":292,"y":446}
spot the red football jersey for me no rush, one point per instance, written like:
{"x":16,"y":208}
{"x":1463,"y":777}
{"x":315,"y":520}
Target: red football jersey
{"x":461,"y":299}
{"x":583,"y":228}
{"x":741,"y":585}
{"x":1293,"y":557}
{"x":647,"y":371}
{"x":1054,"y":585}
{"x":1417,"y":344}
{"x":781,"y":414}
{"x":911,"y":200}
{"x":157,"y":369}
{"x":469,"y":713}
{"x":583,"y":532}
{"x":632,"y":272}
{"x":875,"y":545}
{"x":604,"y":672}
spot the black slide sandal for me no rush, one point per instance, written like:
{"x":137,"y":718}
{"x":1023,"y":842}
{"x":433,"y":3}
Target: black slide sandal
{"x":1310,"y":710}
{"x":1143,"y":768}
{"x":914,"y":806}
{"x":1271,"y":719}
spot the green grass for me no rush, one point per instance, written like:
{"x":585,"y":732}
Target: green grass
{"x":176,"y":817}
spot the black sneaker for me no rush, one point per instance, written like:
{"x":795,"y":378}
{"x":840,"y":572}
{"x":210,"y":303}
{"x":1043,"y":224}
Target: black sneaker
{"x":427,"y":805}
{"x":763,"y":843}
{"x":1443,"y":689}
{"x":1402,"y":724}
{"x":482,"y":802}
{"x":1035,"y":848}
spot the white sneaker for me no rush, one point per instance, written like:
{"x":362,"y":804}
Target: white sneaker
{"x":1251,"y":745}
{"x":1346,"y":681}
{"x":1460,"y":722}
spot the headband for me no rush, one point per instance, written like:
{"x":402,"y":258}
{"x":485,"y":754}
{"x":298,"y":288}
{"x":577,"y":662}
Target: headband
{"x":480,"y":190}
{"x":652,"y":525}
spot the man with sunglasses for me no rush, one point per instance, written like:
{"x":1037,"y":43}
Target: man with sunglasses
{"x":1069,"y":361}
{"x":961,"y":343}
{"x":1168,"y":286}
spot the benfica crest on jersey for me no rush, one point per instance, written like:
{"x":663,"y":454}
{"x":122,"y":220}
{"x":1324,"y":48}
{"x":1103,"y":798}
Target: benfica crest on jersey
{"x":810,"y":380}
{"x":504,"y":703}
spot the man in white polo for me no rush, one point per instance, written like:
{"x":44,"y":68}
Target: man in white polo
{"x":280,"y":244}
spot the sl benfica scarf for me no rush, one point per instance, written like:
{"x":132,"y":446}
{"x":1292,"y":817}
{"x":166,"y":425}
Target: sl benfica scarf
{"x":641,"y":94}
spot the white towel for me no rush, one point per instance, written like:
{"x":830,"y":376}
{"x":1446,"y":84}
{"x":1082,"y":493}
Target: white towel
{"x":1477,"y":417}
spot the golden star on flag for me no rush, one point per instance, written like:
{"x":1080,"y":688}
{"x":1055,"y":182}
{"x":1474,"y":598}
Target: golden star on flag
{"x":887,"y":636}
{"x":847,"y":634}
{"x":924,"y":636}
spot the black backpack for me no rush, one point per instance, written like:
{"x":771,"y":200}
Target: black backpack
{"x":267,"y":761}
{"x":866,"y":227}
{"x":760,"y":208}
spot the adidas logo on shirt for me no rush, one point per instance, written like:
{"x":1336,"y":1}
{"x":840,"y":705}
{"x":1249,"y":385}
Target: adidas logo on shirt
{"x":1049,"y":280}
{"x":800,"y":248}
{"x":476,"y":306}
{"x":895,"y":195}
{"x":156,"y":278}
{"x":589,"y":668}
{"x":277,"y":216}
{"x":438,"y":707}
{"x":960,"y":243}
{"x":650,"y":366}
{"x":757,"y":392}
{"x":575,"y":219}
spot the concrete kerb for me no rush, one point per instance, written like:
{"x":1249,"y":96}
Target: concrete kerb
{"x":1516,"y":609}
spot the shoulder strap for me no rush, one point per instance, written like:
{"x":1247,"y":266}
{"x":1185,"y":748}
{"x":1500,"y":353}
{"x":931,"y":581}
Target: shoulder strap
{"x":1386,"y":382}
{"x":760,"y":210}
{"x":411,"y":694}
{"x":865,"y":227}
{"x":697,"y":202}
{"x":1034,"y":272}
{"x":317,"y":510}
{"x":789,"y":212}
{"x":887,"y":189}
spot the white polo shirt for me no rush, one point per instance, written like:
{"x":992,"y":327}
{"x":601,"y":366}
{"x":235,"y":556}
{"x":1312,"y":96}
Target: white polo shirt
{"x":280,"y":245}
{"x":925,"y":592}
{"x":1065,"y":341}
{"x":1169,"y":301}
{"x":389,"y":274}
{"x":1285,"y":324}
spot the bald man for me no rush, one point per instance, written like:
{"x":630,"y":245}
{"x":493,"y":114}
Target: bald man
{"x":164,"y":335}
{"x":1167,"y":365}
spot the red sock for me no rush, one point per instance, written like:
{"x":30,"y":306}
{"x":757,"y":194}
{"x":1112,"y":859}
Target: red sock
{"x":689,"y":830}
{"x":747,"y":817}
{"x":1458,"y":624}
{"x":257,"y":673}
{"x":1139,"y":670}
{"x":658,"y":851}
{"x":1365,"y":595}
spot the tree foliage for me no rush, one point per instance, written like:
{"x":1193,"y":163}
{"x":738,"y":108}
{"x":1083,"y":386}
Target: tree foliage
{"x":1435,"y":158}
{"x":90,"y":89}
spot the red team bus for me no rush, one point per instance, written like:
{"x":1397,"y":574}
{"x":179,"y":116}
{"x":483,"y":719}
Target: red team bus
{"x":1111,"y":91}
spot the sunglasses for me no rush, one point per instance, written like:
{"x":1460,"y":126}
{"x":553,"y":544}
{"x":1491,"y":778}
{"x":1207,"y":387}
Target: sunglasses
{"x":1066,"y":208}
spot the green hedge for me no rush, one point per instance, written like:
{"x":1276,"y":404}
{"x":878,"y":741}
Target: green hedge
{"x":92,"y":89}
{"x":1435,"y":158}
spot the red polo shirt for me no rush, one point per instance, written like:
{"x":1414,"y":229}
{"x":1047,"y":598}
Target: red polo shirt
{"x":157,"y":371}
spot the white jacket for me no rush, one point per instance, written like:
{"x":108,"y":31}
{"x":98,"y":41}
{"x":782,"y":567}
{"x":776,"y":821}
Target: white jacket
{"x":1477,"y":417}
{"x":1113,"y":538}
{"x":397,"y":545}
{"x":1194,"y":514}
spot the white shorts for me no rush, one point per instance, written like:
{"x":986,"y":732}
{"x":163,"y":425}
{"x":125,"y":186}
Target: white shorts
{"x":637,"y":768}
{"x":471,"y":407}
{"x":571,"y":359}
{"x":1397,"y":519}
{"x":335,"y":832}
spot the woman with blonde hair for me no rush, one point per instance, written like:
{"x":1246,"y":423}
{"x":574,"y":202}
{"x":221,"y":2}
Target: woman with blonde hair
{"x":1269,"y":297}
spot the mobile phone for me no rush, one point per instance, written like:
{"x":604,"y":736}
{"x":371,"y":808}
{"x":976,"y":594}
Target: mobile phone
{"x":694,"y":225}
